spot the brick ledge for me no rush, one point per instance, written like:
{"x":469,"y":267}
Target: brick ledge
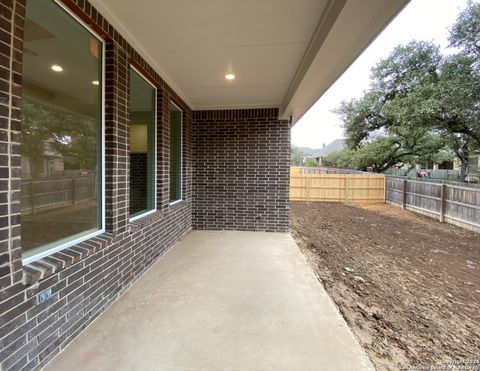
{"x":138,"y":224}
{"x":56,"y":262}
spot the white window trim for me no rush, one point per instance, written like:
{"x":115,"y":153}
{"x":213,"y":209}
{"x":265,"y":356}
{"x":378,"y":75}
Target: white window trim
{"x":101,"y":230}
{"x":181,"y":160}
{"x":154,"y":190}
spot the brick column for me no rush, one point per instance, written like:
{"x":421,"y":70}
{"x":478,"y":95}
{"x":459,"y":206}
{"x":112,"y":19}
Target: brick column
{"x":116,"y":139}
{"x":163,"y":149}
{"x":187,"y":155}
{"x":12,"y":17}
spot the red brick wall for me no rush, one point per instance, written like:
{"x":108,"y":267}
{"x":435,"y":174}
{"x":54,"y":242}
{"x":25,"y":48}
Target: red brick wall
{"x":241,"y":170}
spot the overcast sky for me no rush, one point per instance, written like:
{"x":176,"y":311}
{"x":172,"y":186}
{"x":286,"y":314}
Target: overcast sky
{"x":419,"y":20}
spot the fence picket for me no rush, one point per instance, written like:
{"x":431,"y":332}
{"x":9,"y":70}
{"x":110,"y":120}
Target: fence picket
{"x":44,"y":193}
{"x":450,"y":203}
{"x":338,"y":187}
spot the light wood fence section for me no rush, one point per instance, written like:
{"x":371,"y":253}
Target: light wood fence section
{"x":346,"y":188}
{"x":454,"y":204}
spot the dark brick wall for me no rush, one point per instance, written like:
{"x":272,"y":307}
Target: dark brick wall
{"x":241,"y":182}
{"x":11,"y":46}
{"x":85,"y":279}
{"x":241,"y":170}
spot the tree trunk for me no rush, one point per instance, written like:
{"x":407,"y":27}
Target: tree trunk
{"x":463,"y":168}
{"x":462,"y":151}
{"x":33,"y":167}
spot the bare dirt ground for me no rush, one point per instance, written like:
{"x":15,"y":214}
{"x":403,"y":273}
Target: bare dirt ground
{"x":47,"y":226}
{"x":408,"y":286}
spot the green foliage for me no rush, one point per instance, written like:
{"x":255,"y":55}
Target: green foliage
{"x":405,"y":69}
{"x":453,"y":107}
{"x":421,"y":106}
{"x":301,"y":157}
{"x":296,"y":156}
{"x":45,"y":129}
{"x":80,"y":149}
{"x":443,"y":155}
{"x":341,"y":158}
{"x":361,"y":118}
{"x":465,"y":33}
{"x":386,"y":151}
{"x":309,"y":162}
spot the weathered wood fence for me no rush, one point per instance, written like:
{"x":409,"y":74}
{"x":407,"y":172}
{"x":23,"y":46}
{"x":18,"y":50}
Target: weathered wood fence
{"x":459,"y":205}
{"x":346,"y":188}
{"x":450,"y":203}
{"x":43,"y":194}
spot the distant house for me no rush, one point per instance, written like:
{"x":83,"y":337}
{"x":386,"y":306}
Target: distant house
{"x":336,"y":145}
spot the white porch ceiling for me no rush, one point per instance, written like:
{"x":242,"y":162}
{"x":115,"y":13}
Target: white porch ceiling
{"x":270,"y":45}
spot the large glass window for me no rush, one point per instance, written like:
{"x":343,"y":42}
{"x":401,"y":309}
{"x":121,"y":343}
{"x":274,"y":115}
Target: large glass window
{"x":175,"y":153}
{"x":142,"y":145}
{"x":61,"y":198}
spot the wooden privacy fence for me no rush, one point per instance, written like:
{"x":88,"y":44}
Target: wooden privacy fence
{"x":43,"y":194}
{"x":459,"y":205}
{"x":347,"y":188}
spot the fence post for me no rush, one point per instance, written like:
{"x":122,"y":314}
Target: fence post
{"x":404,"y":194}
{"x":308,"y":189}
{"x":346,"y":189}
{"x":443,"y":194}
{"x":32,"y":196}
{"x":385,"y":190}
{"x":73,"y":191}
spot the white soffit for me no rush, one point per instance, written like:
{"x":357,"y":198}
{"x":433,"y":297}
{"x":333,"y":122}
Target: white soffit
{"x":284,"y":53}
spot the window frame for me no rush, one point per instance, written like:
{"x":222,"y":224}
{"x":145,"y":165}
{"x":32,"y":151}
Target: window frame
{"x":154,"y":175}
{"x":180,"y":199}
{"x":101,"y":230}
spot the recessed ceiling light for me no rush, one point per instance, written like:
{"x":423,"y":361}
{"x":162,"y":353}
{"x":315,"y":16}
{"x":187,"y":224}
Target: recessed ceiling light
{"x":56,"y":68}
{"x":96,"y":82}
{"x":230,"y":76}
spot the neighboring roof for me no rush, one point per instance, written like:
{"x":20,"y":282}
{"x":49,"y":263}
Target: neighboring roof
{"x":284,"y":53}
{"x":336,"y":145}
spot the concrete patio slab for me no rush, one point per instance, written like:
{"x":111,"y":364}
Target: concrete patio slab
{"x":221,"y":300}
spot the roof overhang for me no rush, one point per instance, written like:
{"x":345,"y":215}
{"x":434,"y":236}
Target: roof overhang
{"x":285,"y":53}
{"x":338,"y":40}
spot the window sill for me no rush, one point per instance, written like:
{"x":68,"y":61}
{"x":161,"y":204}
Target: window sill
{"x":40,"y":269}
{"x":142,"y":215}
{"x":140,"y":223}
{"x":177,"y":204}
{"x":145,"y":220}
